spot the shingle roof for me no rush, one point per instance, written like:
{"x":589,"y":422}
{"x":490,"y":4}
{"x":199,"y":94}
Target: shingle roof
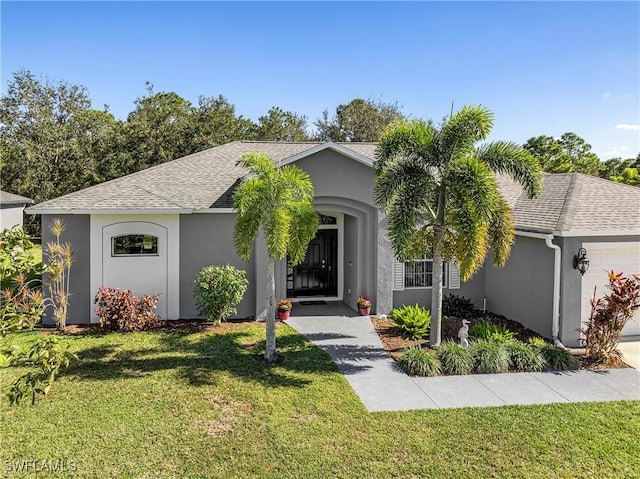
{"x":7,"y":198}
{"x":570,"y":202}
{"x":201,"y":180}
{"x":575,"y":202}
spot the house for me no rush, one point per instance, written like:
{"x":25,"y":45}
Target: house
{"x":152,"y":231}
{"x":12,"y":209}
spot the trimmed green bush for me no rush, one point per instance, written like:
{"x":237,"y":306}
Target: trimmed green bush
{"x":524,"y":357}
{"x":490,"y":356}
{"x":485,"y":329}
{"x":536,"y":341}
{"x":218,"y":291}
{"x":457,"y":306}
{"x":418,"y":361}
{"x":558,"y":358}
{"x":455,"y":358}
{"x":415,"y":321}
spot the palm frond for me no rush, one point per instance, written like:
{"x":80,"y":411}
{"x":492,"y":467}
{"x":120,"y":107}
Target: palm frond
{"x":459,"y":134}
{"x":404,"y":138}
{"x":513,"y":160}
{"x":502,"y":232}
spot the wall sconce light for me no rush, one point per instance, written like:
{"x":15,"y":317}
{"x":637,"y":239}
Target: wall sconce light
{"x":580,"y":261}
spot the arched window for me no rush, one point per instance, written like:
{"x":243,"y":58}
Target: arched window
{"x":134,"y":245}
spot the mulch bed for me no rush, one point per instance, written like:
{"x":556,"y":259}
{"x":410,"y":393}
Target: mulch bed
{"x":395,"y":342}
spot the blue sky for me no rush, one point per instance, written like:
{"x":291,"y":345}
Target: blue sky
{"x":542,"y":67}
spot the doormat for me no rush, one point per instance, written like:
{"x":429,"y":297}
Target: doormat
{"x":312,"y":303}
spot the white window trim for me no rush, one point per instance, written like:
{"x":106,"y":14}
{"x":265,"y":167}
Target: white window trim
{"x":426,"y":260}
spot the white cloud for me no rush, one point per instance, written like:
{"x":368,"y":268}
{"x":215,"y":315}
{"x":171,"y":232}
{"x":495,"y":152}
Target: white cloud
{"x":614,"y":151}
{"x":606,"y":94}
{"x":627,"y":126}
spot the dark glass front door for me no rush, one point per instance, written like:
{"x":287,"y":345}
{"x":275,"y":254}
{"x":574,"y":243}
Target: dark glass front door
{"x":317,"y":274}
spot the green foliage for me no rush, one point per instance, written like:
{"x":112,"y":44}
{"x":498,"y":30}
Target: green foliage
{"x":441,"y":195}
{"x":567,"y":154}
{"x":119,"y":310}
{"x":558,"y":358}
{"x":536,"y":341}
{"x":280,"y":125}
{"x":277,"y":202}
{"x":418,"y":361}
{"x":457,"y":306}
{"x":629,"y":176}
{"x":455,"y":358}
{"x":485,"y":329}
{"x":358,"y":120}
{"x":21,"y":300}
{"x":609,"y":315}
{"x":47,"y":356}
{"x":490,"y":356}
{"x":617,"y":166}
{"x":524,"y":357}
{"x":219,"y":289}
{"x":415,"y":321}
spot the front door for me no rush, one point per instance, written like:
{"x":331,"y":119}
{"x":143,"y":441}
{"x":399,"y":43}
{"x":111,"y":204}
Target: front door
{"x":317,"y":274}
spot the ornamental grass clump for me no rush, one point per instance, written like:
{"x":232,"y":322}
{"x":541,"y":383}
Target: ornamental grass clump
{"x":485,"y":329}
{"x":489,"y":356}
{"x":414,"y":321}
{"x":455,"y":358}
{"x":524,"y":357}
{"x":417,"y":361}
{"x":558,"y":358}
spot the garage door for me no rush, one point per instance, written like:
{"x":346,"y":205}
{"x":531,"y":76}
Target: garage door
{"x":620,"y":257}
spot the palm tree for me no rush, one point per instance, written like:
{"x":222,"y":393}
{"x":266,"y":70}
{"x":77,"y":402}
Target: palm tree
{"x":441,"y":195}
{"x":277,"y":202}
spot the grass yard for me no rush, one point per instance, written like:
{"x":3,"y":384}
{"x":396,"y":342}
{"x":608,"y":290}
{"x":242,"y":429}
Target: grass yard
{"x":170,"y":404}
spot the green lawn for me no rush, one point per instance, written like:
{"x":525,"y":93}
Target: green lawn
{"x":161,"y":404}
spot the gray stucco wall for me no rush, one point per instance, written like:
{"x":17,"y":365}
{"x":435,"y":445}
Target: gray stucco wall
{"x":351,"y":263}
{"x":207,"y":239}
{"x":11,"y":215}
{"x":77,"y":232}
{"x":571,"y":284}
{"x":522,"y":290}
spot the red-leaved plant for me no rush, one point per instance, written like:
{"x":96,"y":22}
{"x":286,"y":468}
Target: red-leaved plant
{"x":120,"y":310}
{"x":609,"y":315}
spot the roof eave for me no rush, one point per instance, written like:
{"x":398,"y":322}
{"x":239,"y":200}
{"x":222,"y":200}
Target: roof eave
{"x":104,"y":211}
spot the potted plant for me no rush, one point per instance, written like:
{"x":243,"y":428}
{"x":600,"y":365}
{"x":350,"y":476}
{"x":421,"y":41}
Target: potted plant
{"x":284,"y":309}
{"x":364,"y":306}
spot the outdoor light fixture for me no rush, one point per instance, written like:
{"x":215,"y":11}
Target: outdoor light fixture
{"x":580,"y":261}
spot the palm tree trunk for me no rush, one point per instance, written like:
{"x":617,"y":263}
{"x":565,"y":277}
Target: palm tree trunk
{"x":436,"y":301}
{"x":270,"y":350}
{"x":436,"y":271}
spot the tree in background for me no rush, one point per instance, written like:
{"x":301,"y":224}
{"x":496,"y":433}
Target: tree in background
{"x":280,"y":125}
{"x":359,"y":120}
{"x":441,"y":195}
{"x":51,"y":138}
{"x":277,"y":203}
{"x":567,"y":154}
{"x":217,"y":123}
{"x":622,"y":171}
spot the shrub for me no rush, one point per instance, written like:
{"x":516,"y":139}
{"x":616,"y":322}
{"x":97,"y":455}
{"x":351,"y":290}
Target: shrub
{"x":485,"y":329}
{"x":415,"y":321}
{"x":417,"y":361}
{"x":120,"y":310}
{"x":609,"y":315}
{"x":60,"y":258}
{"x":457,"y":306}
{"x":536,"y":341}
{"x":489,"y":356}
{"x":48,"y":356}
{"x":557,"y":358}
{"x":524,"y":357}
{"x":455,"y":358}
{"x":218,"y":291}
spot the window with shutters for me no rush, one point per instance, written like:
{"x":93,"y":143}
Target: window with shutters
{"x":419,"y":273}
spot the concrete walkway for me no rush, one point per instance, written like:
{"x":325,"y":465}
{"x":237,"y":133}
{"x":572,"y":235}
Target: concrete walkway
{"x":381,"y":385}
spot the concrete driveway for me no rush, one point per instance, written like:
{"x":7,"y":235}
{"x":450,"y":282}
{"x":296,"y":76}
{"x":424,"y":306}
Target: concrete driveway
{"x":630,"y":349}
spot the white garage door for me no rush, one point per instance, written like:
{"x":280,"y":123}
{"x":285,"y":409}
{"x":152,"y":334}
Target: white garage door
{"x":620,"y":257}
{"x":134,"y":256}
